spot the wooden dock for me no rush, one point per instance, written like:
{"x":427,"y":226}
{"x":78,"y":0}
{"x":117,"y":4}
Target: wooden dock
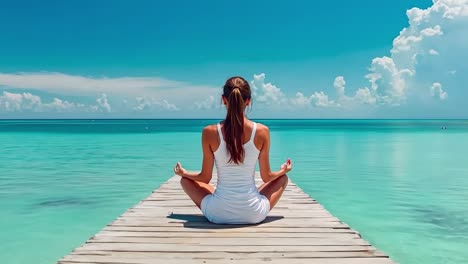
{"x":168,"y":228}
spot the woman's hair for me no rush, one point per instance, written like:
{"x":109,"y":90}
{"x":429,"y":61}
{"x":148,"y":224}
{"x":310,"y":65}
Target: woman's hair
{"x":236,"y":90}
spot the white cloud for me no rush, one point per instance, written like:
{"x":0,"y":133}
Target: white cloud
{"x":103,"y":104}
{"x":365,"y":96}
{"x":129,"y":87}
{"x":270,"y":95}
{"x":168,"y":106}
{"x":153,"y":93}
{"x":433,"y":52}
{"x":438,"y":32}
{"x":208,"y":103}
{"x":64,"y":106}
{"x":301,"y":100}
{"x":146,"y":104}
{"x":441,"y":30}
{"x":438,"y":92}
{"x":266,"y":93}
{"x":27,"y":102}
{"x":409,"y":39}
{"x":12,"y":102}
{"x":60,"y":83}
{"x":388,"y":82}
{"x":321,"y":99}
{"x":339,"y":85}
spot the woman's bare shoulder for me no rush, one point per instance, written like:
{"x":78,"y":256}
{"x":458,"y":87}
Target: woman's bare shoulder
{"x":210,"y":132}
{"x":210,"y":129}
{"x":262,"y":130}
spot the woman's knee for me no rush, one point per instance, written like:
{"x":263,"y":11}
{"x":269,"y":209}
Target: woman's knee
{"x":283,"y":179}
{"x":185,"y":181}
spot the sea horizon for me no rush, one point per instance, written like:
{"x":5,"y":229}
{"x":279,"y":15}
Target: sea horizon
{"x":259,"y":118}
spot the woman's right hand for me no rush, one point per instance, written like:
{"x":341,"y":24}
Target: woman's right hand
{"x":287,"y":166}
{"x":179,"y":170}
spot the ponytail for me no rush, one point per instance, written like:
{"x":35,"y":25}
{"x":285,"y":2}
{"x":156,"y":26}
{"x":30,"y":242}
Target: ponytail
{"x":234,"y":126}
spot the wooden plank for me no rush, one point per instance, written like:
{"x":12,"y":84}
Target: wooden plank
{"x":247,"y":229}
{"x":167,"y":234}
{"x":310,"y":211}
{"x":166,"y":227}
{"x":232,"y":241}
{"x":288,"y":221}
{"x":208,"y":225}
{"x":130,"y":260}
{"x":195,"y":211}
{"x":236,"y":255}
{"x":151,"y":247}
{"x":196,"y":218}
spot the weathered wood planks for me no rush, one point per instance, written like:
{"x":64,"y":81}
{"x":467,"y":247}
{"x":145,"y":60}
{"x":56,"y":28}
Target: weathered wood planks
{"x":167,"y":227}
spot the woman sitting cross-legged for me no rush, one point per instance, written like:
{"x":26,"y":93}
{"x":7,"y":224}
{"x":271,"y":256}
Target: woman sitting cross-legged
{"x":235,"y":145}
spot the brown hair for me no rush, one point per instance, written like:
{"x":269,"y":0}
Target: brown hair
{"x":236,"y":90}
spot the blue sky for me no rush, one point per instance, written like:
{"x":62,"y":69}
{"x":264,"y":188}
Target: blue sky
{"x":305,"y":59}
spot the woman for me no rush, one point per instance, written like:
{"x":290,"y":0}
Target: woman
{"x":235,"y":145}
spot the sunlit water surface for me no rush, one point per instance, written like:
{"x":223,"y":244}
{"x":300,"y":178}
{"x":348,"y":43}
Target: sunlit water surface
{"x":402,"y":184}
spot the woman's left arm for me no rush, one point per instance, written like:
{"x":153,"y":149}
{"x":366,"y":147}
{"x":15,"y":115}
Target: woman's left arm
{"x":208,"y":161}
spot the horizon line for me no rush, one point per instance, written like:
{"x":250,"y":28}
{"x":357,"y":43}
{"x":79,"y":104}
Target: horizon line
{"x":32,"y":119}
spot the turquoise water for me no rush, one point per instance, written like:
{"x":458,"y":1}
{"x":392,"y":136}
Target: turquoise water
{"x":402,"y":183}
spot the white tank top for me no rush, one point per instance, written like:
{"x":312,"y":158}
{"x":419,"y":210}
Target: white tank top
{"x":236,"y":182}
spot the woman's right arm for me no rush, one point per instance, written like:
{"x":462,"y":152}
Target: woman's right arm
{"x":264,"y":159}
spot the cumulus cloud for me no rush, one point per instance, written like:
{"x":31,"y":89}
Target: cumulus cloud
{"x":339,"y":85}
{"x":321,"y":99}
{"x":438,"y":92}
{"x":103,"y":104}
{"x":208,"y":103}
{"x":438,"y":32}
{"x":151,"y":93}
{"x":433,"y":52}
{"x":388,"y":81}
{"x":301,"y":100}
{"x":145,"y":104}
{"x":168,"y":106}
{"x":27,"y":102}
{"x":62,"y":106}
{"x":433,"y":41}
{"x":12,"y":102}
{"x":30,"y":103}
{"x":266,"y":93}
{"x":365,"y":96}
{"x":270,"y":95}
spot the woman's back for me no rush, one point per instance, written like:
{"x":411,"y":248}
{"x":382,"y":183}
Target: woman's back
{"x":236,"y":179}
{"x":236,"y":199}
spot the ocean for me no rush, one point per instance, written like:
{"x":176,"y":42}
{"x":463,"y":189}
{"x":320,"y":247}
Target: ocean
{"x":403,"y":184}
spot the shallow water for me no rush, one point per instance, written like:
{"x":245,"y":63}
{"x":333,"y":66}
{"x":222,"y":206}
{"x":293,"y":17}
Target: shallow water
{"x":403,"y":184}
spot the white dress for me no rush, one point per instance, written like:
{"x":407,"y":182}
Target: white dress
{"x":236,"y":199}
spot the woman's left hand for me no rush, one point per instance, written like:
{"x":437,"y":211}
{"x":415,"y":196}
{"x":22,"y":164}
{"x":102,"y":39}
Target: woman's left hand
{"x":179,"y":170}
{"x":287,"y":166}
